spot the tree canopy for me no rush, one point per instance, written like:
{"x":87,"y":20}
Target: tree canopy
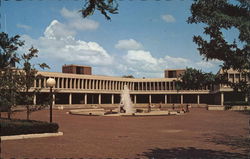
{"x":104,"y":6}
{"x":219,"y":16}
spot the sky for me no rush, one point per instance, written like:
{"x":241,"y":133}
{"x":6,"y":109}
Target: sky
{"x":143,"y":39}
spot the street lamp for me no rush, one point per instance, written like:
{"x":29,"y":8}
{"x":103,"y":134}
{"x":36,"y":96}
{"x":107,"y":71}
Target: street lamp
{"x":51,"y":82}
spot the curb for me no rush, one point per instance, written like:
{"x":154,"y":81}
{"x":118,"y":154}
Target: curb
{"x":30,"y":136}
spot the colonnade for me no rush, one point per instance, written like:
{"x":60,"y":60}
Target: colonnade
{"x":113,"y":85}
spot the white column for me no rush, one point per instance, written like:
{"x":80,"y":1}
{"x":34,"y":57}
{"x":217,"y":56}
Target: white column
{"x":112,"y":99}
{"x":96,"y":84}
{"x":62,"y":83}
{"x":86,"y":84}
{"x":34,"y":83}
{"x":70,"y":98}
{"x":99,"y":99}
{"x":150,"y":99}
{"x":74,"y":83}
{"x":39,"y":82}
{"x":78,"y":83}
{"x":222,"y":98}
{"x":198,"y":99}
{"x":82,"y":81}
{"x":85,"y":98}
{"x":67,"y":81}
{"x":70,"y":83}
{"x":166,"y":98}
{"x":246,"y":98}
{"x":181,"y":98}
{"x":34,"y":99}
{"x":58,"y":82}
{"x":135,"y":99}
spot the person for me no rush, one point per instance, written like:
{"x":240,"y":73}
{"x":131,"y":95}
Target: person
{"x":149,"y":107}
{"x":187,"y":109}
{"x":122,"y":110}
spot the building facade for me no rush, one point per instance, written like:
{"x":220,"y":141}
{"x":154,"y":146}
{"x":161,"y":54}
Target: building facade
{"x":81,"y":90}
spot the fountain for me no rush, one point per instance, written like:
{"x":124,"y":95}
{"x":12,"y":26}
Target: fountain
{"x":126,"y":105}
{"x":125,"y":108}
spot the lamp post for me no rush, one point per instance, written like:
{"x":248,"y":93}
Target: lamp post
{"x":51,"y":83}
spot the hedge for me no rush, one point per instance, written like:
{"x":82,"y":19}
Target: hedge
{"x":18,"y":127}
{"x":232,"y":103}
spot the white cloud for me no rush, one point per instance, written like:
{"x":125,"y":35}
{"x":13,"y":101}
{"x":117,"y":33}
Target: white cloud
{"x":57,"y":30}
{"x":208,"y":64}
{"x":129,"y":44}
{"x":134,"y":56}
{"x":75,"y":21}
{"x":168,"y":18}
{"x":68,"y":14}
{"x":59,"y":43}
{"x":23,"y":26}
{"x":142,"y":63}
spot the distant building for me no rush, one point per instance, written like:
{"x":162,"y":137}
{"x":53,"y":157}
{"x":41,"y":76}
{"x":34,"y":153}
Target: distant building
{"x":174,"y":73}
{"x":77,"y":87}
{"x":77,"y":69}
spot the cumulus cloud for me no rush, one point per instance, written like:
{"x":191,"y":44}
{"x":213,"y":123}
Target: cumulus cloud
{"x":143,"y":63}
{"x":59,"y":43}
{"x":168,"y":18}
{"x":129,"y":44}
{"x":75,"y":21}
{"x":23,"y":26}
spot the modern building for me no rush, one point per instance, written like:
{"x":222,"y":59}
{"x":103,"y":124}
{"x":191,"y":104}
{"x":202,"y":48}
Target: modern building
{"x":77,"y":69}
{"x":79,"y":89}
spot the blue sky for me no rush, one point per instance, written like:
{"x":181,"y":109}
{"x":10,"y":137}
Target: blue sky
{"x":145,"y":38}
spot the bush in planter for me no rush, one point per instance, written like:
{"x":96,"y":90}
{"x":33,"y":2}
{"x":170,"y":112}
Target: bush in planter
{"x":18,"y":127}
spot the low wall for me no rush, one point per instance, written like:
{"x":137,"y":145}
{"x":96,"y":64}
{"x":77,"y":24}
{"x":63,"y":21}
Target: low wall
{"x":215,"y":107}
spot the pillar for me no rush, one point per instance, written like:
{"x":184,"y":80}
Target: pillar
{"x":70,"y":98}
{"x":85,"y":98}
{"x":198,"y":99}
{"x":99,"y":99}
{"x":150,"y":98}
{"x":70,"y":83}
{"x":246,"y":98}
{"x":221,"y":98}
{"x":181,"y":98}
{"x":40,"y":83}
{"x":166,"y":98}
{"x":67,"y":81}
{"x":34,"y":99}
{"x":135,"y":99}
{"x":35,"y":83}
{"x":58,"y":83}
{"x":112,"y":99}
{"x":62,"y":83}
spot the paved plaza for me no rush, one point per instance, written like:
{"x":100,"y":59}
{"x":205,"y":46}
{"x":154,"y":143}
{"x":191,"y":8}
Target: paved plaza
{"x":199,"y":133}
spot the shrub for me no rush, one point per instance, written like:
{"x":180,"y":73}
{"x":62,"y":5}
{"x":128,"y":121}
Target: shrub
{"x":232,"y":103}
{"x":18,"y":127}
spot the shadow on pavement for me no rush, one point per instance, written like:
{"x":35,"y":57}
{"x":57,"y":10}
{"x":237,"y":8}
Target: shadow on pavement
{"x":190,"y":152}
{"x":235,"y":142}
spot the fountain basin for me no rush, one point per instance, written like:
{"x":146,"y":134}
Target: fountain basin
{"x":102,"y":112}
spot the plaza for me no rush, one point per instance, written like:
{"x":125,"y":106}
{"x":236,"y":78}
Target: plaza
{"x":197,"y":134}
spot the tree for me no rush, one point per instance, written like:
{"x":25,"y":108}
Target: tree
{"x":193,"y":79}
{"x":10,"y":85}
{"x":29,"y":75}
{"x":103,"y":6}
{"x":15,"y":84}
{"x":219,"y":16}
